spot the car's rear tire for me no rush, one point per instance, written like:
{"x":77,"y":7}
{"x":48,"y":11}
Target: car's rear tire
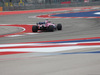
{"x":34,"y":28}
{"x":51,"y":28}
{"x":59,"y":26}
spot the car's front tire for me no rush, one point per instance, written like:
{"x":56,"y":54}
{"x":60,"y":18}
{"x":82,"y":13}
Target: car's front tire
{"x":59,"y":26}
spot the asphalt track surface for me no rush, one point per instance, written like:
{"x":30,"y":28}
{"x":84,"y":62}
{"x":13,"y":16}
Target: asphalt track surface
{"x":52,"y":63}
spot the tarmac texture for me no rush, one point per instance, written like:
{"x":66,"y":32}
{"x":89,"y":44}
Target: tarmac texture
{"x":50,"y":63}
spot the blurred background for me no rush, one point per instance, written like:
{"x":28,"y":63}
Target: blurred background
{"x":12,"y":5}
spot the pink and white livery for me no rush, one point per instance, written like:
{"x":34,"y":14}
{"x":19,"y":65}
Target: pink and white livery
{"x":46,"y":26}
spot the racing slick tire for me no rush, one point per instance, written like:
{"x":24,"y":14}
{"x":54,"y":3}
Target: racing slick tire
{"x":59,"y":26}
{"x":34,"y":28}
{"x":50,"y":28}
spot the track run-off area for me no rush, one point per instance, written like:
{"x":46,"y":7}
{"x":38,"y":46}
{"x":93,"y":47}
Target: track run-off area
{"x":73,"y":51}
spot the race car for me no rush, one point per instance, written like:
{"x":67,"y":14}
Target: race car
{"x":46,"y":26}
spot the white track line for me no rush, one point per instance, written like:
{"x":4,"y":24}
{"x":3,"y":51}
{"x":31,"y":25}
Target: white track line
{"x":50,"y":49}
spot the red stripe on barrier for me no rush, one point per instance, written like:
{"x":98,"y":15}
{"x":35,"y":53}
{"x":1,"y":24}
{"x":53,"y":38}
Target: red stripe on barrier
{"x":33,"y":11}
{"x":67,"y":2}
{"x":45,"y":10}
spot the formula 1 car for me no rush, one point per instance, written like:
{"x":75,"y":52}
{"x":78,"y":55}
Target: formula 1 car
{"x":46,"y":26}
